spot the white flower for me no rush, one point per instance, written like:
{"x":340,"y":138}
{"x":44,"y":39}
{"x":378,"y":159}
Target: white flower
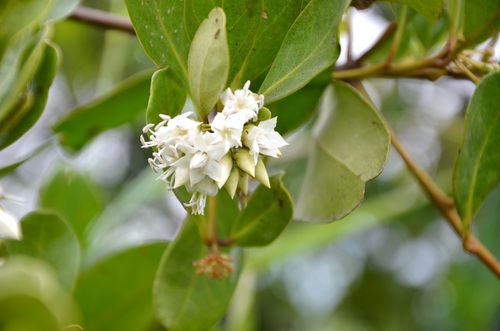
{"x":242,"y":101}
{"x":9,"y":226}
{"x":262,"y":139}
{"x":228,"y":130}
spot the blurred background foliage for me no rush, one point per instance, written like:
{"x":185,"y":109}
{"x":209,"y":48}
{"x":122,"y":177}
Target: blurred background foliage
{"x":393,"y":264}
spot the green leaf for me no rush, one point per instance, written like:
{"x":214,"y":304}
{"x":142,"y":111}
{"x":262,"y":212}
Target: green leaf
{"x":167,"y":96}
{"x":297,"y":108}
{"x":350,"y":147}
{"x":106,"y":232}
{"x":18,"y":65}
{"x":115,"y":294}
{"x":477,"y":170}
{"x":255,"y":34}
{"x":267,"y":214}
{"x":430,"y":9}
{"x":73,"y":197}
{"x":19,"y":17}
{"x":184,"y":300}
{"x":62,"y":8}
{"x":47,"y":237}
{"x":26,"y":116}
{"x":32,"y":299}
{"x":116,"y":107}
{"x":310,"y":46}
{"x":160,"y":27}
{"x":208,"y":62}
{"x":481,"y":20}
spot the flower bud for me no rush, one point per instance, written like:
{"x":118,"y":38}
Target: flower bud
{"x":261,"y":173}
{"x":232,"y":181}
{"x":264,"y":114}
{"x":243,"y":182}
{"x":244,"y":161}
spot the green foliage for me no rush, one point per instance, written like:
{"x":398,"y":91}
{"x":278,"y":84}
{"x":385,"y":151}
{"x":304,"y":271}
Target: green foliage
{"x":28,"y":112}
{"x":208,"y":62}
{"x":477,"y":172}
{"x":179,"y":293}
{"x":481,"y":19}
{"x":115,"y":294}
{"x":266,"y":215}
{"x":100,"y":250}
{"x":32,"y":299}
{"x":77,"y":201}
{"x":48,"y":238}
{"x":430,"y":9}
{"x":350,"y":147}
{"x":120,"y":106}
{"x":166,"y":96}
{"x":309,"y":47}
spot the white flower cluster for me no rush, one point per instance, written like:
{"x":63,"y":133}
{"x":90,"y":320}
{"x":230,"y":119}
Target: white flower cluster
{"x":205,"y":158}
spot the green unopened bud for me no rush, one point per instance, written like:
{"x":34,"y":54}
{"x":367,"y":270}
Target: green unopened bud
{"x":243,"y":182}
{"x":264,"y":114}
{"x":261,"y":173}
{"x":232,"y":181}
{"x":244,"y":161}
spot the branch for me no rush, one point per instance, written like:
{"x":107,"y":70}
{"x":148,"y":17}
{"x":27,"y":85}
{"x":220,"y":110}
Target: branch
{"x":443,"y":202}
{"x":102,"y":19}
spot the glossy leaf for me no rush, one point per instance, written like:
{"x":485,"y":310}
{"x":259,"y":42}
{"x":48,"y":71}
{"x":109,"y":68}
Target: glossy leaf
{"x":115,"y":294}
{"x":160,"y":28}
{"x":266,"y":215}
{"x":116,"y":107}
{"x":72,"y":196}
{"x":180,"y":294}
{"x":167,"y":96}
{"x":26,"y":116}
{"x":481,"y":20}
{"x":477,"y":170}
{"x":350,"y":147}
{"x":208,"y":62}
{"x":47,"y":237}
{"x":310,"y":46}
{"x":32,"y":299}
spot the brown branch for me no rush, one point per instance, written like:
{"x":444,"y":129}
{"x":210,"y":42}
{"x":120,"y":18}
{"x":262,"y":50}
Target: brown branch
{"x":440,"y":199}
{"x":102,"y":19}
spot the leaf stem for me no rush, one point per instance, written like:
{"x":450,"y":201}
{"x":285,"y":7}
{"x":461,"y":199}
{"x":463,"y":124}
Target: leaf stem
{"x":102,"y":19}
{"x":441,"y":200}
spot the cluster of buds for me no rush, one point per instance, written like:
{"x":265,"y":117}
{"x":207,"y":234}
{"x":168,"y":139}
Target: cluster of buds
{"x":223,"y":153}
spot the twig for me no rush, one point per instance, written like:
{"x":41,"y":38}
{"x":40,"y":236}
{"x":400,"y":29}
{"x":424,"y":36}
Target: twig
{"x":401,"y":24}
{"x":102,"y":19}
{"x":444,"y":203}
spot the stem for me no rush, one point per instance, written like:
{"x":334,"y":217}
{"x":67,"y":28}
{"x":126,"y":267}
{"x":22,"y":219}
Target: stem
{"x":102,"y":19}
{"x":466,"y":71}
{"x":442,"y":201}
{"x":391,"y":28}
{"x":211,"y":238}
{"x":397,"y":38}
